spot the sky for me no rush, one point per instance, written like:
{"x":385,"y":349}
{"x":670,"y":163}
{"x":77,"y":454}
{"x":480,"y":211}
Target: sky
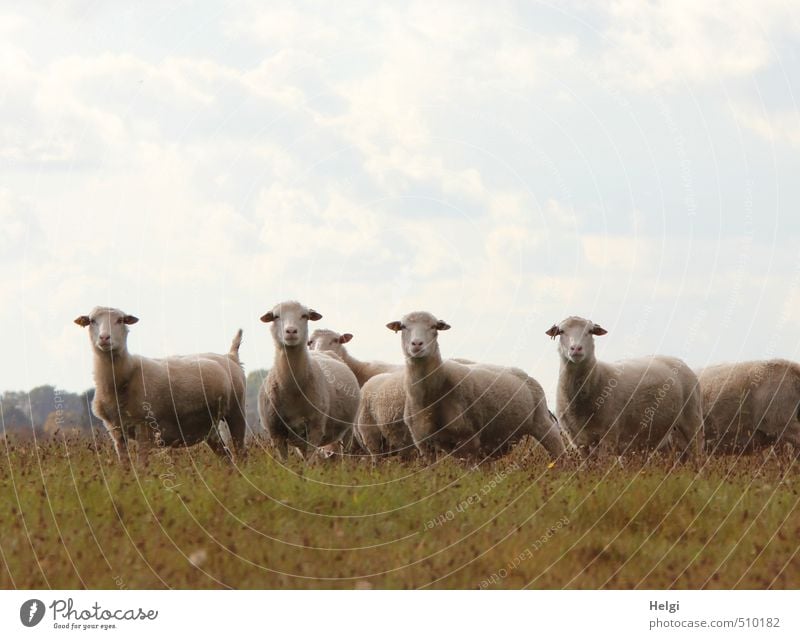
{"x":502,"y":165}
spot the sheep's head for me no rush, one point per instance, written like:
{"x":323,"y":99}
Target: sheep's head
{"x":323,"y":339}
{"x":108,"y":328}
{"x":419,"y":331}
{"x":290,"y":323}
{"x":576,"y":338}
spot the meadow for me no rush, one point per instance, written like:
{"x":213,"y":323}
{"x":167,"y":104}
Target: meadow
{"x":71,"y":517}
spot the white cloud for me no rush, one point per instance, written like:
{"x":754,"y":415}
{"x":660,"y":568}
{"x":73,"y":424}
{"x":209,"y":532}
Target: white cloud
{"x":617,"y":252}
{"x":650,"y":45}
{"x":776,"y":127}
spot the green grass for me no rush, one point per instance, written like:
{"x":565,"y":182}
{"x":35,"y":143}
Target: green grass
{"x":70,"y":517}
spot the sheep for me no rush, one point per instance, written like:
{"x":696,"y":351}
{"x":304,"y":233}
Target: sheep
{"x":379,"y":426}
{"x":471,"y":410}
{"x":323,"y":339}
{"x":642,"y":404}
{"x":751,"y":405}
{"x":176,"y":401}
{"x":309,"y":398}
{"x":379,"y":423}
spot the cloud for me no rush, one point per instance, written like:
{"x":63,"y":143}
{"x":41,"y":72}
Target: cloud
{"x":617,"y":252}
{"x":20,"y":229}
{"x":776,"y":127}
{"x":647,"y":45}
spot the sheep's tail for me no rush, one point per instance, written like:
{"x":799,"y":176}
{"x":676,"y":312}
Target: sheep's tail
{"x":235,"y":344}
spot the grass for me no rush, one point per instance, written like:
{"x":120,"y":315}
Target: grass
{"x":70,"y":517}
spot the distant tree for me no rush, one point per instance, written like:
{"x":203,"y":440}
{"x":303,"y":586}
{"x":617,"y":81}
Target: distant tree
{"x":67,"y":422}
{"x":14,"y":419}
{"x":41,"y":401}
{"x":32,"y":411}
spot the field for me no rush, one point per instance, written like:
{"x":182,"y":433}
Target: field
{"x":71,"y":518}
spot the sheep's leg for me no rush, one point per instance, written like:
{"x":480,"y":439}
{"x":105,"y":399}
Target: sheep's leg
{"x":371,"y":436}
{"x":144,"y":443}
{"x":547,"y":433}
{"x":688,"y":438}
{"x":281,"y":446}
{"x":315,"y":435}
{"x":356,"y":445}
{"x":120,"y":444}
{"x":422,"y":426}
{"x":217,"y":444}
{"x":471,"y":448}
{"x":793,"y":437}
{"x":426,"y":451}
{"x":690,"y":427}
{"x":275,"y":427}
{"x":352,"y":444}
{"x":237,"y":425}
{"x":405,"y":452}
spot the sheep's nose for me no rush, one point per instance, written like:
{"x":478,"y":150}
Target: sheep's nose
{"x":291,"y":331}
{"x":417,"y":342}
{"x":104,"y":338}
{"x":576,"y":349}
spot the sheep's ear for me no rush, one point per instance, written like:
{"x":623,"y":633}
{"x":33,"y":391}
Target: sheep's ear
{"x":442,"y":326}
{"x":130,"y":319}
{"x":598,"y":330}
{"x":313,"y":315}
{"x":552,"y":331}
{"x":83,"y":320}
{"x":268,"y":317}
{"x":394,"y":326}
{"x":345,"y":338}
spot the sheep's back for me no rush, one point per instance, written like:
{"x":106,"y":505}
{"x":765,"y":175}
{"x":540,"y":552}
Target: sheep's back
{"x":497,"y":401}
{"x":750,"y":398}
{"x":189,"y":381}
{"x":642,"y":398}
{"x":384,"y":397}
{"x":341,"y":384}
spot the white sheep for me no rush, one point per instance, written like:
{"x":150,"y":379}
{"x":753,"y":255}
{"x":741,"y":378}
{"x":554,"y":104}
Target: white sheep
{"x":176,"y":401}
{"x":324,"y":339}
{"x":379,"y":424}
{"x":642,"y":404}
{"x":309,"y":399}
{"x":469,"y":410}
{"x":751,"y":405}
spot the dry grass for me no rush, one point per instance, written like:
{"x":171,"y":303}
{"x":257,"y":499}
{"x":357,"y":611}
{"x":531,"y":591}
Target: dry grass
{"x":71,"y":518}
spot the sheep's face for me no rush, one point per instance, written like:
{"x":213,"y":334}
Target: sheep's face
{"x":576,"y":338}
{"x":290,"y":323}
{"x":108,"y":328}
{"x":325,"y":340}
{"x":419,"y":332}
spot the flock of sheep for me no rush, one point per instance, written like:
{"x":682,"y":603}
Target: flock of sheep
{"x":320,"y":400}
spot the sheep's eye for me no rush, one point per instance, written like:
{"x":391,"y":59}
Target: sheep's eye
{"x":119,"y":320}
{"x":93,"y":322}
{"x":403,"y":327}
{"x":304,"y":316}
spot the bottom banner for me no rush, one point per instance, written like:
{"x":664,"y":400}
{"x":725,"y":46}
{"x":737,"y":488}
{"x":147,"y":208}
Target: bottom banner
{"x":355,"y":614}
